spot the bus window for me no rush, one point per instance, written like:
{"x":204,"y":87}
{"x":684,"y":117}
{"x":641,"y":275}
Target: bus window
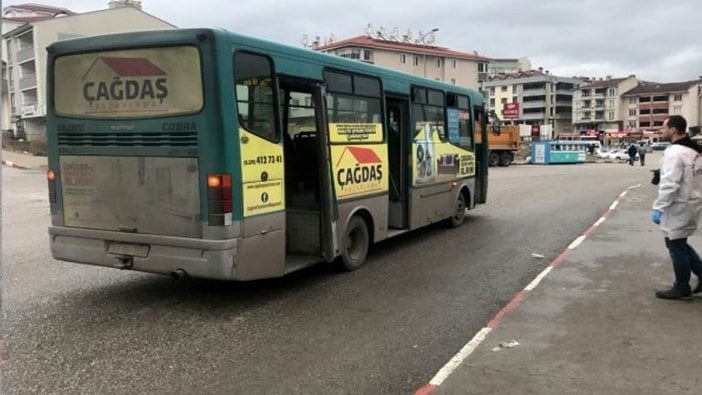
{"x":428,"y":109}
{"x":353,"y":108}
{"x":458,"y":116}
{"x":255,"y":94}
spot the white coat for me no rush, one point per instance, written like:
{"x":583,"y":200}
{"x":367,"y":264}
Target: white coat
{"x":680,"y":190}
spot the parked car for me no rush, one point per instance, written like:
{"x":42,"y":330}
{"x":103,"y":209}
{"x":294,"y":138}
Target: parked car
{"x":617,"y":154}
{"x":660,"y":146}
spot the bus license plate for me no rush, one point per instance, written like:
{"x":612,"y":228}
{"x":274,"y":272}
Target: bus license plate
{"x":138,"y":250}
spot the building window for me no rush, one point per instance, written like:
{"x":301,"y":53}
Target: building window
{"x":416,"y":60}
{"x":632,"y":112}
{"x":610,"y":116}
{"x":482,"y":67}
{"x":454,"y":64}
{"x":610,"y":103}
{"x":612,"y":92}
{"x":453,"y":81}
{"x":632,"y":100}
{"x":645,"y":124}
{"x":503,"y":89}
{"x":514,"y":99}
{"x":403,"y":58}
{"x":677,"y":110}
{"x":503,"y":100}
{"x":492,"y":91}
{"x":492,"y":103}
{"x":678,"y":97}
{"x":438,"y":63}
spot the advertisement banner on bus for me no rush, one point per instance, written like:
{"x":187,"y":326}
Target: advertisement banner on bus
{"x":359,"y":170}
{"x":129,"y":83}
{"x":356,"y":133}
{"x":262,"y":170}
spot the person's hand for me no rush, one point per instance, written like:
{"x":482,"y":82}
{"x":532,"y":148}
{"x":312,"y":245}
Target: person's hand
{"x":656,"y":216}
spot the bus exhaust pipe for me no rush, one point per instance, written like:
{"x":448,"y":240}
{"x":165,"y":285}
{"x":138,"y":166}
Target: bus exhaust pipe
{"x":125,"y":262}
{"x":179,"y":274}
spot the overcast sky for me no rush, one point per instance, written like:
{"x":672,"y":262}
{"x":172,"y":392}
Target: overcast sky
{"x":656,"y":40}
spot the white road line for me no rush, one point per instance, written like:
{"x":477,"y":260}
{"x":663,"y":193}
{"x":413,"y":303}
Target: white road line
{"x":538,"y":279}
{"x":614,"y":205}
{"x":600,"y":221}
{"x":460,"y":357}
{"x":576,"y":242}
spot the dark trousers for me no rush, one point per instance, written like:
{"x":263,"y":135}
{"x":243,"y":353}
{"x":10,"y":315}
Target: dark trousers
{"x":642,"y":158}
{"x":685,"y":260}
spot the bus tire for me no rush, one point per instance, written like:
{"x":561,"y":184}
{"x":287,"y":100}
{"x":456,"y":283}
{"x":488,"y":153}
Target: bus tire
{"x":356,"y":244}
{"x":459,"y":214}
{"x":505,"y":159}
{"x":493,"y":159}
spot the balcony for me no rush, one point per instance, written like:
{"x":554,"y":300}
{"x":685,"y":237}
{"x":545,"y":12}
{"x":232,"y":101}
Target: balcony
{"x":534,"y":104}
{"x":534,"y":92}
{"x":533,"y":116}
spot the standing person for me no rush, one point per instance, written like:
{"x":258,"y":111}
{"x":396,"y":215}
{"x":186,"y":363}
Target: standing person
{"x":678,"y":206}
{"x":632,"y":154}
{"x":642,"y":154}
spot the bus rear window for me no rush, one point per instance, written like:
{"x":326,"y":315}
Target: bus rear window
{"x":135,"y":83}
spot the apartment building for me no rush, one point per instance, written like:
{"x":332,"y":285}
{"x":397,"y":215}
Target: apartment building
{"x":650,"y":103}
{"x":29,"y":28}
{"x":533,"y":97}
{"x":419,"y":56}
{"x":505,"y":66}
{"x":598,"y":104}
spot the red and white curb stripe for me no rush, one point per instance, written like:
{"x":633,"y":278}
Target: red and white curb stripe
{"x":479,"y":337}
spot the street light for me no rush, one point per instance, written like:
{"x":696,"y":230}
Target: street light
{"x":424,"y":54}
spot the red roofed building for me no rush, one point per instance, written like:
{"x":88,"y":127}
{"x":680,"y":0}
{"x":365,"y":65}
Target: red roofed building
{"x":417,"y":56}
{"x":29,"y":28}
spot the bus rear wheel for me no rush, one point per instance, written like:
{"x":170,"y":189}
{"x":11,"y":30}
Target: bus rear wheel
{"x":459,"y":215}
{"x":493,"y":159}
{"x":356,"y":244}
{"x":505,"y":159}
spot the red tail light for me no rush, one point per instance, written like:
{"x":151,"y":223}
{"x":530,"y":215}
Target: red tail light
{"x":219,"y":199}
{"x":51,"y":177}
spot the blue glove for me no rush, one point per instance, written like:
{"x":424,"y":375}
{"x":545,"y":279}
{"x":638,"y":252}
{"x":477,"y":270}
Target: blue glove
{"x":656,"y":216}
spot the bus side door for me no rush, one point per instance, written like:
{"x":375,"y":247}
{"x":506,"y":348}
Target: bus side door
{"x":481,"y":155}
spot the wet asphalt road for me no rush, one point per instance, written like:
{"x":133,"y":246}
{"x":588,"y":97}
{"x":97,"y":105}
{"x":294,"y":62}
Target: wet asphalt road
{"x":385,"y":328}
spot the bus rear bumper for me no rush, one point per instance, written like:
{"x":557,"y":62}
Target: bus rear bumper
{"x":213,"y":259}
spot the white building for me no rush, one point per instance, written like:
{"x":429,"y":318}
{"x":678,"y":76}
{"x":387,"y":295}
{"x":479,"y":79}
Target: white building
{"x":28,"y":29}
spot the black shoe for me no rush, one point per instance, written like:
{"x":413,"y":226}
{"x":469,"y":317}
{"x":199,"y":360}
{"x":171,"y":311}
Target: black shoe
{"x":698,"y":288}
{"x":674,"y":293}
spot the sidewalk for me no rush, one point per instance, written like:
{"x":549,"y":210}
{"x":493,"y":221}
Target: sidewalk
{"x":24,"y":161}
{"x":593,"y":325}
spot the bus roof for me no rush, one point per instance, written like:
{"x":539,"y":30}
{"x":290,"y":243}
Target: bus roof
{"x":290,"y":60}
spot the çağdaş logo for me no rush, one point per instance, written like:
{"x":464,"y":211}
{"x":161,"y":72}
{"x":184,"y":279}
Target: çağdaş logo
{"x":124,"y":83}
{"x":363,"y":170}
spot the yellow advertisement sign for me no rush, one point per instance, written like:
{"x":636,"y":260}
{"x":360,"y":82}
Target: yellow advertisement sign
{"x":356,"y":132}
{"x":129,"y":83}
{"x":359,"y":170}
{"x":438,"y":161}
{"x":262,"y":175}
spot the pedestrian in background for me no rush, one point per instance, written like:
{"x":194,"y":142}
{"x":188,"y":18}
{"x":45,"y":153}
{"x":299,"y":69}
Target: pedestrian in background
{"x":678,"y":206}
{"x":642,"y":154}
{"x":632,"y":154}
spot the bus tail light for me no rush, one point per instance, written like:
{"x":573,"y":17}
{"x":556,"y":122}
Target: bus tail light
{"x":51,"y":177}
{"x":219,"y":199}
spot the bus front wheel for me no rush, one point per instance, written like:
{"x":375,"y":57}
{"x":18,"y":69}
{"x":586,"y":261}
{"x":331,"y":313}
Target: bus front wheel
{"x":356,"y":244}
{"x":459,"y":215}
